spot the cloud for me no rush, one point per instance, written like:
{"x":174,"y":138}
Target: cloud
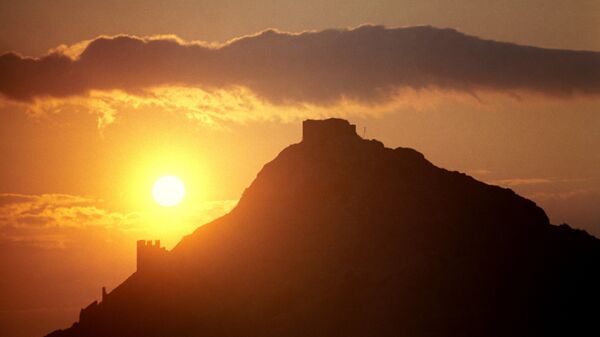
{"x":61,"y":220}
{"x":368,"y":64}
{"x":521,"y":181}
{"x":53,"y":220}
{"x":10,"y":198}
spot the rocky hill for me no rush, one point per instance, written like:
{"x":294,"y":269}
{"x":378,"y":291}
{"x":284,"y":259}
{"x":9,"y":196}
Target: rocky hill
{"x":341,"y":236}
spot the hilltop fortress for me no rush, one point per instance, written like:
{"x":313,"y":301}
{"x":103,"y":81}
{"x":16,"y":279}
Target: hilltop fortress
{"x":340,"y":235}
{"x":151,"y":257}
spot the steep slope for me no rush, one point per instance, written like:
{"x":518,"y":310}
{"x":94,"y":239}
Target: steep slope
{"x":342,"y":236}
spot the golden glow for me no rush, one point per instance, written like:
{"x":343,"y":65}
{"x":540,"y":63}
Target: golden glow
{"x":168,"y":191}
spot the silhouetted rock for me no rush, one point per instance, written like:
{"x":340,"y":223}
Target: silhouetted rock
{"x":340,"y":236}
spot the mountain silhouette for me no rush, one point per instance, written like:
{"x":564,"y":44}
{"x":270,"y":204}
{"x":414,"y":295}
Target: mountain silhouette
{"x":341,"y":236}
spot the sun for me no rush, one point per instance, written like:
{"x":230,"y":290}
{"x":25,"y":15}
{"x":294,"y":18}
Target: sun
{"x":168,"y":191}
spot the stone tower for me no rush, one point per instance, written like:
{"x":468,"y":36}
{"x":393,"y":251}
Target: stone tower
{"x":150,"y":256}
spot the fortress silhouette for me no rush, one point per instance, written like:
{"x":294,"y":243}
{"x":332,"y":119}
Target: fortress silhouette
{"x":152,"y":258}
{"x":341,"y":236}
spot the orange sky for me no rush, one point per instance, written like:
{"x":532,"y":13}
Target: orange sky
{"x":79,"y":155}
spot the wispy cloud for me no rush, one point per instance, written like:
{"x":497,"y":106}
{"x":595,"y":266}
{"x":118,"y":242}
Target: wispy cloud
{"x":58,"y":220}
{"x":50,"y":220}
{"x":521,"y":181}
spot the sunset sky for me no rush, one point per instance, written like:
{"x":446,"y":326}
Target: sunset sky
{"x":98,"y":99}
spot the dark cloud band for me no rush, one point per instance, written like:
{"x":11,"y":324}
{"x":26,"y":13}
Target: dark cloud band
{"x":369,"y":63}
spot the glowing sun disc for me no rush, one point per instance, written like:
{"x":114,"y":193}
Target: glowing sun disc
{"x":168,"y":191}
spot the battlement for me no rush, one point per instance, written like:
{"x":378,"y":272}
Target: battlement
{"x":328,"y":129}
{"x":150,"y":255}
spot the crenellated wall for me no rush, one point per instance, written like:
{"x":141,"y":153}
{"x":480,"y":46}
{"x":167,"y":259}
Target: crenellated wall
{"x":150,"y":255}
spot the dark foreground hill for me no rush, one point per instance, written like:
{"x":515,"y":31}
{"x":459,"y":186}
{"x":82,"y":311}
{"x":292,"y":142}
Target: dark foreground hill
{"x":340,"y":236}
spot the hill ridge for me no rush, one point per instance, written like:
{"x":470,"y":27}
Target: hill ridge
{"x":339,"y":235}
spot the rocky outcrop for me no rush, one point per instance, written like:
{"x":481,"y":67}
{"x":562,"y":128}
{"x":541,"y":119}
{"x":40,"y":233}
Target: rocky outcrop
{"x":341,"y":236}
